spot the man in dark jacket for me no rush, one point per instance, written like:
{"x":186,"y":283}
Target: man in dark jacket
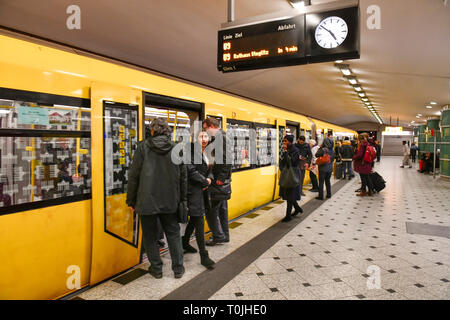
{"x":220,"y":188}
{"x":156,"y":187}
{"x":378,"y":149}
{"x":305,"y":159}
{"x":347,"y":152}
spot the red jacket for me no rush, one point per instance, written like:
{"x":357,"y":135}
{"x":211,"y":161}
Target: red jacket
{"x":359,"y":164}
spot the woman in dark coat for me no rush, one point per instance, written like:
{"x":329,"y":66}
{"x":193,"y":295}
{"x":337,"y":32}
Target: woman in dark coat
{"x":363,"y":168}
{"x":198,"y":170}
{"x":291,"y":195}
{"x":325,"y":170}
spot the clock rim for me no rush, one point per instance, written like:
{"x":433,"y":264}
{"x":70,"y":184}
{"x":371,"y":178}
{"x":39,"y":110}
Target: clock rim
{"x":318,"y":25}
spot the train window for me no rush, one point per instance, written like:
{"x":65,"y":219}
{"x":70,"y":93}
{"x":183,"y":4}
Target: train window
{"x":179,"y":121}
{"x":121,"y":138}
{"x":45,"y":151}
{"x":241,"y":143}
{"x":43,"y":168}
{"x":16,"y":114}
{"x":308,"y":135}
{"x":265,"y":145}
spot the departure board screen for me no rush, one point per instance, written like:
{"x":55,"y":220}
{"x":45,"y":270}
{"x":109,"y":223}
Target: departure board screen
{"x":263,"y":45}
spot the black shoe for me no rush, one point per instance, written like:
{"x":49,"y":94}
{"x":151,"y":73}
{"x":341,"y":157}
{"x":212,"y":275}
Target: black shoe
{"x":206,"y":261}
{"x":319,"y":198}
{"x":296,"y":212}
{"x":328,"y":196}
{"x":154,"y":274}
{"x":211,"y":242}
{"x":286,"y":219}
{"x":161,"y":244}
{"x":178,"y":275}
{"x":189,"y":249}
{"x":313,"y":190}
{"x":226,"y":240}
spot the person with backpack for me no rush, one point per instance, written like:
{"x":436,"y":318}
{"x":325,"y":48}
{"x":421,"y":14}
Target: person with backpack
{"x":413,"y":152}
{"x":290,"y":156}
{"x":406,"y":153}
{"x":363,"y":160}
{"x":325,"y":158}
{"x":347,"y":153}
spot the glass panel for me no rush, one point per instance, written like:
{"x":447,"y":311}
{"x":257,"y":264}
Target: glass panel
{"x":292,"y":130}
{"x":241,"y":146}
{"x":265,"y":145}
{"x":179,"y":121}
{"x":42,"y":168}
{"x":29,"y":115}
{"x":281,"y":134}
{"x":120,"y":139}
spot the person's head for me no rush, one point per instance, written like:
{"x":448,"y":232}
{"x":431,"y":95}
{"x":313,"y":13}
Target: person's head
{"x":203,"y":138}
{"x":159,"y":127}
{"x":346,"y":139}
{"x":413,"y":144}
{"x":312,"y":142}
{"x":330,"y":135}
{"x":363,"y":137}
{"x":301,"y":139}
{"x":211,"y":125}
{"x":404,"y":142}
{"x":287,"y":141}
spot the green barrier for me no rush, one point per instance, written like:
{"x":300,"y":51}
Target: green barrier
{"x":445,"y":145}
{"x":433,"y":124}
{"x":422,"y":139}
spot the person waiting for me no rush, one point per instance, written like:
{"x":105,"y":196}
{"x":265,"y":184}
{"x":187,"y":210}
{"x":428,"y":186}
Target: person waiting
{"x":198,"y":199}
{"x":313,"y":170}
{"x":364,"y":168}
{"x":347,"y":153}
{"x":156,"y":188}
{"x":305,"y":159}
{"x":413,"y":152}
{"x":325,"y":169}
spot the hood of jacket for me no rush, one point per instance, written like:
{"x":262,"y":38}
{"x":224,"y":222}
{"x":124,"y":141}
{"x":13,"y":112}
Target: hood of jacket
{"x":160,"y":144}
{"x":346,"y":143}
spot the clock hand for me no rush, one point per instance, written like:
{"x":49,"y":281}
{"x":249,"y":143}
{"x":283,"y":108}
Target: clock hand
{"x":332,"y":34}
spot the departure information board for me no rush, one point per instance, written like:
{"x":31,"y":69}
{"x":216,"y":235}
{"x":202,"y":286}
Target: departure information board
{"x":308,"y":38}
{"x":263,"y":45}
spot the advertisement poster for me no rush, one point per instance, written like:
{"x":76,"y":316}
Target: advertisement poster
{"x":33,"y":115}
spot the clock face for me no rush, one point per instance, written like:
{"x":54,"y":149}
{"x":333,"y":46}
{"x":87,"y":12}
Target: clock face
{"x":331,"y":32}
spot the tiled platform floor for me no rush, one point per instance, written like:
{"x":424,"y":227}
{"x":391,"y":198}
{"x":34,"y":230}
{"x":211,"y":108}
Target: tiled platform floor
{"x":327,"y":255}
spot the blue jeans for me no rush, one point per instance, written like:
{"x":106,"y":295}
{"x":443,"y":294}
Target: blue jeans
{"x":348,"y":168}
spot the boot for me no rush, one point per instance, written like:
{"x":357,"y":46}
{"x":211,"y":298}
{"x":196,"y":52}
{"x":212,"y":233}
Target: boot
{"x":362,"y":194}
{"x":370,"y":193}
{"x":206,"y":261}
{"x":186,"y":246}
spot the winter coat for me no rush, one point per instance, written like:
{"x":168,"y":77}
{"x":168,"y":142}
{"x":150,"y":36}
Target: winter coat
{"x":305,"y":151}
{"x":327,"y":147}
{"x":291,"y":193}
{"x":221,"y":171}
{"x":405,"y":150}
{"x":197,"y":171}
{"x":347,"y":151}
{"x":155,"y":184}
{"x":359,"y":164}
{"x":413,"y":150}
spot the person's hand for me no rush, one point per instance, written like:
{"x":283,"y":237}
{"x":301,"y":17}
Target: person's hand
{"x":209,"y":181}
{"x":205,"y":188}
{"x":219,"y":183}
{"x":306,"y":166}
{"x":132,"y":209}
{"x":284,"y":147}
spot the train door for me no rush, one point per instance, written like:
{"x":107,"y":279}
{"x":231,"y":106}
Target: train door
{"x":116,"y":130}
{"x":293,"y":128}
{"x":181,"y":116}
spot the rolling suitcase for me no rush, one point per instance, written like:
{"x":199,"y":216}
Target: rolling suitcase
{"x":377,"y":181}
{"x":338,"y":170}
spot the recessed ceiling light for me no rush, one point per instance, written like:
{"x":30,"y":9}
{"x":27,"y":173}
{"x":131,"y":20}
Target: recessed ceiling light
{"x":339,"y":61}
{"x":419,"y":114}
{"x":358,"y":88}
{"x":417,"y":117}
{"x":432,"y":102}
{"x":429,"y":107}
{"x":365,"y":99}
{"x":438,"y":113}
{"x":362,"y":94}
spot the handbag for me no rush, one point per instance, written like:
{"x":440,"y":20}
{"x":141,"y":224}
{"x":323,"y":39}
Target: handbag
{"x":289,"y":177}
{"x":182,"y":212}
{"x":323,"y":159}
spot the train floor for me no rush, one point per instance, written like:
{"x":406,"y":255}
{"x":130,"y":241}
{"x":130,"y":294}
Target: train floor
{"x":394,"y":245}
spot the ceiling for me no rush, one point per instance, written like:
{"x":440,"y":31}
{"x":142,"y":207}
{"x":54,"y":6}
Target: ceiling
{"x":403,"y":66}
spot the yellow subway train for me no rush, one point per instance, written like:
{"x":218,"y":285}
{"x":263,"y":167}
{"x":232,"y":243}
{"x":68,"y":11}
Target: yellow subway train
{"x":69,"y":122}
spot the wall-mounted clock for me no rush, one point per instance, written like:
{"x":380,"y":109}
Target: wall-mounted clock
{"x":331,"y":32}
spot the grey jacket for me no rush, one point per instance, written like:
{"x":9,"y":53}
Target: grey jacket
{"x":155,"y":184}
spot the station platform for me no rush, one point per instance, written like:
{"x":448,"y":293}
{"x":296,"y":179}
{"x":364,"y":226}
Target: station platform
{"x":392,"y":246}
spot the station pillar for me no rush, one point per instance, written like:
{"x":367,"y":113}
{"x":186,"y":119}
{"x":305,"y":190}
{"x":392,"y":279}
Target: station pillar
{"x":445,"y":144}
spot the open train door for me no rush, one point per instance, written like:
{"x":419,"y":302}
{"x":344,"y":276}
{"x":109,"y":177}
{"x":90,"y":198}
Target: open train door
{"x":116,"y":130}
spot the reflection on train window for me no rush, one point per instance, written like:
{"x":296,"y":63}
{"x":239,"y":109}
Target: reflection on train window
{"x":241,"y":145}
{"x":179,"y":121}
{"x":121,"y":138}
{"x":265,"y":145}
{"x":308,"y":135}
{"x":16,"y":114}
{"x":292,"y":130}
{"x":42,"y":168}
